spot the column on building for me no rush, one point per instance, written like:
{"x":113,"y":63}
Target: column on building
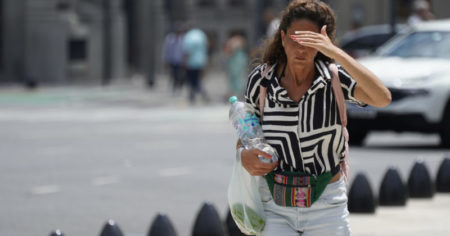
{"x":146,"y":37}
{"x":13,"y":41}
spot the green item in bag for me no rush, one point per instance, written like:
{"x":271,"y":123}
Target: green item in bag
{"x":239,"y":211}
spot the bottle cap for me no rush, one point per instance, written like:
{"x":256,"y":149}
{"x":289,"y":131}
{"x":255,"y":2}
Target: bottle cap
{"x":233,"y":99}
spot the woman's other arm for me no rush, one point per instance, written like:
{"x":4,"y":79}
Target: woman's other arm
{"x":369,"y":88}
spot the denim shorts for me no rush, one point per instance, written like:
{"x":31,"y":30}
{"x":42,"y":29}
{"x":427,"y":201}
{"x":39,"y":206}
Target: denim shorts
{"x":327,"y":216}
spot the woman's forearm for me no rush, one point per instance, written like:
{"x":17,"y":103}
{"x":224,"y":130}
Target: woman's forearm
{"x":369,"y":88}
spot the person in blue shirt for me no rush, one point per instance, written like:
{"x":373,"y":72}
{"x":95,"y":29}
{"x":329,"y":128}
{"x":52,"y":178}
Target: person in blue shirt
{"x":237,"y":63}
{"x":195,"y":48}
{"x":173,"y":57}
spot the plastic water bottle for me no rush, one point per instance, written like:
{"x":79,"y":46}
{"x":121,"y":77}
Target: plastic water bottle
{"x":249,"y":130}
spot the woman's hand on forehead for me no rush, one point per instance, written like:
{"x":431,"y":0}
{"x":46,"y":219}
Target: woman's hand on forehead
{"x":319,"y":41}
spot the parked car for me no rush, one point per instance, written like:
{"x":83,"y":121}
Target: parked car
{"x":415,"y":67}
{"x":366,"y":40}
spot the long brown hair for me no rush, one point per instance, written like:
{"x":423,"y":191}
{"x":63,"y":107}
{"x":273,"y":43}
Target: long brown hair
{"x":313,"y":10}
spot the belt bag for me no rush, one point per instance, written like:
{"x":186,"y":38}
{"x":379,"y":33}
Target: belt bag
{"x":294,"y":189}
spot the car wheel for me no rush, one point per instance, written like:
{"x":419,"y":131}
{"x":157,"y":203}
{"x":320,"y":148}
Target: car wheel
{"x":445,"y":128}
{"x":357,"y":135}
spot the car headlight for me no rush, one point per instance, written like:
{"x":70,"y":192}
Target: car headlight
{"x":413,"y":81}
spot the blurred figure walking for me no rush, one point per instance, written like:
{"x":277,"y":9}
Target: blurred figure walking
{"x":173,"y":57}
{"x":421,"y":12}
{"x":195,"y":48}
{"x":272,"y":22}
{"x":237,"y":62}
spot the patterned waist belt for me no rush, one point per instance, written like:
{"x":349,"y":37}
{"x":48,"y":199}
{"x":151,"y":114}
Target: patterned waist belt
{"x":296,"y":189}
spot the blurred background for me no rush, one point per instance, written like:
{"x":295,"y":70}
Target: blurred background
{"x":99,"y":41}
{"x":117,"y":109}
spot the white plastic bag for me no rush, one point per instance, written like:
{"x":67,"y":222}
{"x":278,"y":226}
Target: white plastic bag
{"x":244,"y":200}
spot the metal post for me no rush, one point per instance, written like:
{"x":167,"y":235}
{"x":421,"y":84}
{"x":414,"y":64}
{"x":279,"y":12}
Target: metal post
{"x":106,"y":42}
{"x":1,"y":36}
{"x":152,"y":44}
{"x":393,"y":16}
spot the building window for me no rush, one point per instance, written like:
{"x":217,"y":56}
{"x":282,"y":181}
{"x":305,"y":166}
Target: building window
{"x":77,"y":50}
{"x":237,"y":3}
{"x":62,"y":5}
{"x":206,"y":3}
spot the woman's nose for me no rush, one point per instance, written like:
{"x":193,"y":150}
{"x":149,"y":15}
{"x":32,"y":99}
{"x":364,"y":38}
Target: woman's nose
{"x":300,"y":47}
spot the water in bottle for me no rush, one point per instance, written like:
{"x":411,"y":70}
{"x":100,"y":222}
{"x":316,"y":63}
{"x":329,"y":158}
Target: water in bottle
{"x":249,"y":130}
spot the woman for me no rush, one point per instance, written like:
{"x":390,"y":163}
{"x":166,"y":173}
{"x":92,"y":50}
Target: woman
{"x":236,"y":63}
{"x":304,"y":192}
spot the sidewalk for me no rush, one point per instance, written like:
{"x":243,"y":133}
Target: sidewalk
{"x":131,"y":92}
{"x":421,"y":217}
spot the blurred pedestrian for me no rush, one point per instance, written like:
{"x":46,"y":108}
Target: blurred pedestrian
{"x":237,"y":63}
{"x":173,"y":56}
{"x":421,"y":12}
{"x":195,"y":48}
{"x":292,"y":93}
{"x":272,"y":22}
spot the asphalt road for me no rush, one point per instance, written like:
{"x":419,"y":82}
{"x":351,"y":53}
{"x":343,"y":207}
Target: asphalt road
{"x":75,"y":167}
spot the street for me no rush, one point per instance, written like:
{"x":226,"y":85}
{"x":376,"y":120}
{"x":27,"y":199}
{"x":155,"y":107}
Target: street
{"x":75,"y":167}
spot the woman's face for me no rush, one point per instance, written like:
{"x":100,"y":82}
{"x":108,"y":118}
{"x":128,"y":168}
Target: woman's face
{"x":296,"y":53}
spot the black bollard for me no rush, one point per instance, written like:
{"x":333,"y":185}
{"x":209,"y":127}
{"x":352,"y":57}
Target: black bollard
{"x":162,"y":226}
{"x":208,"y":222}
{"x":443,"y":177}
{"x":392,"y":190}
{"x":111,"y":229}
{"x":233,"y":229}
{"x":56,"y":233}
{"x":419,"y":182}
{"x":360,"y":197}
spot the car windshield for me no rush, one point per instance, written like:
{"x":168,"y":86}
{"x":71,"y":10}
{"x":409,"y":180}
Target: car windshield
{"x":431,"y":44}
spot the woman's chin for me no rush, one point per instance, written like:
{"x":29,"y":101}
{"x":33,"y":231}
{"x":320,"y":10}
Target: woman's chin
{"x":301,"y":60}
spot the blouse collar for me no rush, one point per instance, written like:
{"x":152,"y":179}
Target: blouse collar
{"x":322,"y":78}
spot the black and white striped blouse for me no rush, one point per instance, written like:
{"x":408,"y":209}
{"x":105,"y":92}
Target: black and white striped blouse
{"x":307,"y":135}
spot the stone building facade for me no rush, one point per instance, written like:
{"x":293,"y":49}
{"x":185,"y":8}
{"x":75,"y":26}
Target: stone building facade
{"x":62,"y":41}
